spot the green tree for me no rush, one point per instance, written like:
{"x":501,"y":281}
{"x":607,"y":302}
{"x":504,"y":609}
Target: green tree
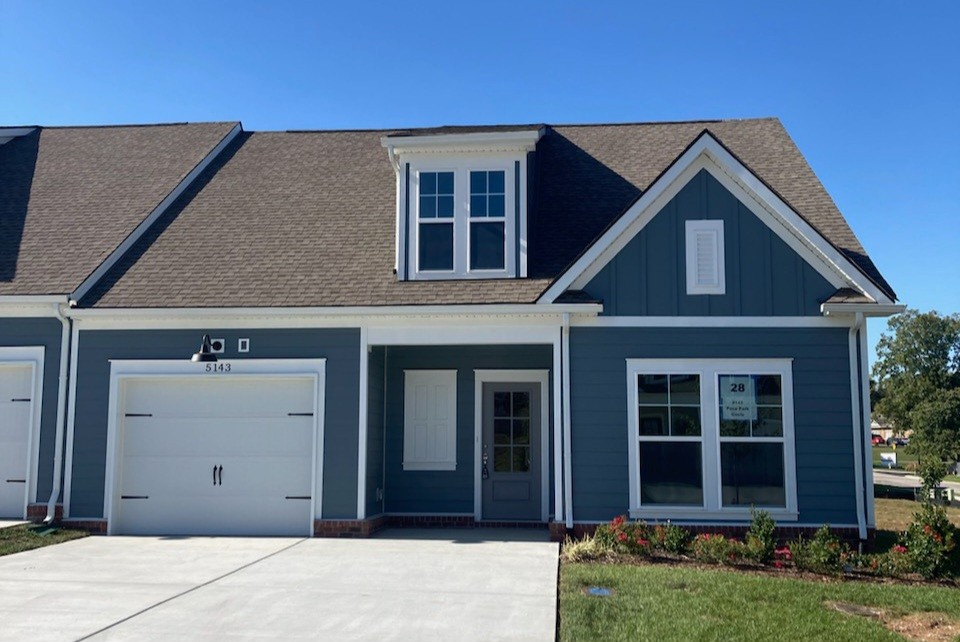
{"x":917,"y":375}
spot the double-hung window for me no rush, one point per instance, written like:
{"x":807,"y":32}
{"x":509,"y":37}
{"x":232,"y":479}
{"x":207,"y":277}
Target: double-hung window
{"x":710,"y":438}
{"x":466,"y":220}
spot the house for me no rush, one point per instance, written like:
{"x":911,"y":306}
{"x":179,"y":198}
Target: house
{"x":534,"y":325}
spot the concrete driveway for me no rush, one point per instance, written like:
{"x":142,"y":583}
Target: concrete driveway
{"x":403,"y":585}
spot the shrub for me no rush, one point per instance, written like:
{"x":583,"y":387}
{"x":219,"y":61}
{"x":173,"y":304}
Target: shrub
{"x":822,"y":554}
{"x":712,"y":548}
{"x":929,"y":541}
{"x":583,"y":550}
{"x":892,"y":563}
{"x":622,"y":536}
{"x":761,"y":540}
{"x":671,"y":538}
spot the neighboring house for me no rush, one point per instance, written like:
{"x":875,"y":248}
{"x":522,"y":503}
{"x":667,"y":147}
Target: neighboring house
{"x":509,"y":324}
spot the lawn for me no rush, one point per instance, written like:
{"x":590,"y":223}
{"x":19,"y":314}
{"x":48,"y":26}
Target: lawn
{"x":24,"y":538}
{"x":664,"y":603}
{"x":904,"y":459}
{"x":893,"y":517}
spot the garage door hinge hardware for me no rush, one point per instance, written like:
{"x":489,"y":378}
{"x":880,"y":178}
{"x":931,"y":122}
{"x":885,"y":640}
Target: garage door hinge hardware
{"x":16,"y":400}
{"x":218,"y":471}
{"x":138,"y":414}
{"x":299,"y":414}
{"x":16,"y":481}
{"x":297,"y":497}
{"x":134,"y":497}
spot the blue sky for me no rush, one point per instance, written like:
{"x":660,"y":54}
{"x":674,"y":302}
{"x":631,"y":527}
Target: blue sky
{"x":870,"y":91}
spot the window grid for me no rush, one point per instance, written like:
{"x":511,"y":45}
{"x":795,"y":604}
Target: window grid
{"x":515,"y":452}
{"x":436,"y":209}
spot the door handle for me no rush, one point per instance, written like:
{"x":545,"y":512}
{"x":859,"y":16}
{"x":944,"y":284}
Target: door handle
{"x":484,"y":472}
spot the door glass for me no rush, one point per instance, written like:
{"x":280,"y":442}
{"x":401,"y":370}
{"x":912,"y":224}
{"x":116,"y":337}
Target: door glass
{"x":511,"y":432}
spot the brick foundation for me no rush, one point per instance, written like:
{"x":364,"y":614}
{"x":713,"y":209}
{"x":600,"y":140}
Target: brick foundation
{"x":558,"y":531}
{"x":367,"y":527}
{"x":38,"y":512}
{"x":784,"y":533}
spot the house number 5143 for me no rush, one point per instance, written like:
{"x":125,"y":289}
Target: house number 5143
{"x":218,"y":367}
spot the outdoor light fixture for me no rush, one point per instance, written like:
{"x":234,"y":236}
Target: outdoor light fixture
{"x":205,"y":353}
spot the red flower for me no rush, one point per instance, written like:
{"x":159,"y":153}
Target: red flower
{"x":622,"y":536}
{"x":899,"y":549}
{"x":617,"y":521}
{"x":642,"y":542}
{"x":778,"y":564}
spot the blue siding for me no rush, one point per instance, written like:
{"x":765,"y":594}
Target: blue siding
{"x":341,"y":348}
{"x":436,"y":492}
{"x":375,"y":397}
{"x":44,"y":332}
{"x":821,"y":378}
{"x":763,"y":275}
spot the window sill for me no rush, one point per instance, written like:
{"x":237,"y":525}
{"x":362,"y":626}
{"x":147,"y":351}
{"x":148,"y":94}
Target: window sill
{"x":695,"y":514}
{"x":430,"y":465}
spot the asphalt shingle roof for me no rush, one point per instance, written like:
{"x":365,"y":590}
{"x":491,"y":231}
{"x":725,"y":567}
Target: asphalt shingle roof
{"x":70,"y":195}
{"x":307,"y":218}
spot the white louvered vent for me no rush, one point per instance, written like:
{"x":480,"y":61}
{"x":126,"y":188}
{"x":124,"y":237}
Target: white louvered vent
{"x":705,"y":265}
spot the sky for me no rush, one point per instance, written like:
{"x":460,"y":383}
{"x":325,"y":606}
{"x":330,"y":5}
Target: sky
{"x":870,"y":91}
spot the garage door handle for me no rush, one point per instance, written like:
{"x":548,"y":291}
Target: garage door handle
{"x":220,"y":474}
{"x":297,"y":497}
{"x":134,"y":497}
{"x":16,"y":481}
{"x":217,"y":470}
{"x":18,"y":400}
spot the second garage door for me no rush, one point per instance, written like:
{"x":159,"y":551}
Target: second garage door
{"x":216,"y":456}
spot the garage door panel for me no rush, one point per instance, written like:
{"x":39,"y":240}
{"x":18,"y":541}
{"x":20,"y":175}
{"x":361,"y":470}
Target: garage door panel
{"x":227,"y":397}
{"x":158,"y":436}
{"x":257,"y":432}
{"x":16,"y":408}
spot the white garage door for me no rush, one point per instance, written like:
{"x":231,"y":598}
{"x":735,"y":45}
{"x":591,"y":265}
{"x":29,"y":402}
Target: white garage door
{"x":216,"y":456}
{"x":16,"y":389}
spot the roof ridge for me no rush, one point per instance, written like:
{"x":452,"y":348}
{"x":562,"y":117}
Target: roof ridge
{"x":130,"y":125}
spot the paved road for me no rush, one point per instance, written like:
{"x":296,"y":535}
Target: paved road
{"x":903,"y":480}
{"x":404,"y":585}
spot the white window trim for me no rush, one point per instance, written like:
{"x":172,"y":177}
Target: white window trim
{"x":709,"y":371}
{"x":409,"y":463}
{"x":692,"y":229}
{"x":461,"y":166}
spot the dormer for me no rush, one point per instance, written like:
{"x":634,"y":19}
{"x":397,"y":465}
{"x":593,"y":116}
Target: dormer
{"x":461,"y":202}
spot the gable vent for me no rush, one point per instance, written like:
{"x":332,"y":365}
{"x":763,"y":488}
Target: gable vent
{"x":705,"y":264}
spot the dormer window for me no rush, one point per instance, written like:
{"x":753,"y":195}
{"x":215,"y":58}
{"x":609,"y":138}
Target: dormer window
{"x":461,"y":206}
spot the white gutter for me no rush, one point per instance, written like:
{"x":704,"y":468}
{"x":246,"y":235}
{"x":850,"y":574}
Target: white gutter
{"x":395,"y":163}
{"x":567,"y":450}
{"x":863,"y":309}
{"x":857,"y":417}
{"x":63,"y":380}
{"x":533,"y":309}
{"x":31,"y":299}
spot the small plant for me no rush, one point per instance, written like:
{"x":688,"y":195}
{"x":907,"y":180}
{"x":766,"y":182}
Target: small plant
{"x":711,"y":548}
{"x":761,"y":540}
{"x":671,"y":538}
{"x":929,"y":542}
{"x":782,"y":556}
{"x":824,"y":553}
{"x":583,"y":550}
{"x":623,"y":536}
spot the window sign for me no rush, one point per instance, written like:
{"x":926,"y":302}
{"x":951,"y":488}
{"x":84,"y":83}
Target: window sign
{"x":738,"y":399}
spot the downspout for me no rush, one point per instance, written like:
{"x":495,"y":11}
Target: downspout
{"x":857,"y":416}
{"x":865,"y":407}
{"x":61,"y":412}
{"x":567,"y":450}
{"x":395,"y":163}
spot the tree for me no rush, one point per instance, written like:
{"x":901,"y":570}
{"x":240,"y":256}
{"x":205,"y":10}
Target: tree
{"x":918,"y":383}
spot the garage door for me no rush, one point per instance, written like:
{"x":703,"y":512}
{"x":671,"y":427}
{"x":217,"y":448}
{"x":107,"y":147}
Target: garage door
{"x":16,"y":388}
{"x":216,"y":456}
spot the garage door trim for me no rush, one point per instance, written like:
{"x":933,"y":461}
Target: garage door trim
{"x":32,"y":356}
{"x":122,"y":370}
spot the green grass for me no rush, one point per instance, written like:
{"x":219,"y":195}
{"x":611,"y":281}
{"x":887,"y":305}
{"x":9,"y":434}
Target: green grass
{"x":904,"y":459}
{"x":952,"y":478}
{"x":24,"y":538}
{"x":893,"y":517}
{"x":664,"y":603}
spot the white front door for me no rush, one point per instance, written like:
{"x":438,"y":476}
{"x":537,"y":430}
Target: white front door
{"x":16,"y":410}
{"x":216,"y":456}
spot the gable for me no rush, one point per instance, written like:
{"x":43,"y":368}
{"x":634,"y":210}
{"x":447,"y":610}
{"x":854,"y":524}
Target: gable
{"x":764,"y":276}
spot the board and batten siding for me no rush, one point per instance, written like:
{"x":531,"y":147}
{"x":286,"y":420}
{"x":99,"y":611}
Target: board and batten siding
{"x":46,"y":332}
{"x":444,"y":492}
{"x":823,"y":416}
{"x":375,"y":397}
{"x":764,"y":277}
{"x":340,"y":347}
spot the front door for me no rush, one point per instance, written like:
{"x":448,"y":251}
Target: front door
{"x":511,"y":451}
